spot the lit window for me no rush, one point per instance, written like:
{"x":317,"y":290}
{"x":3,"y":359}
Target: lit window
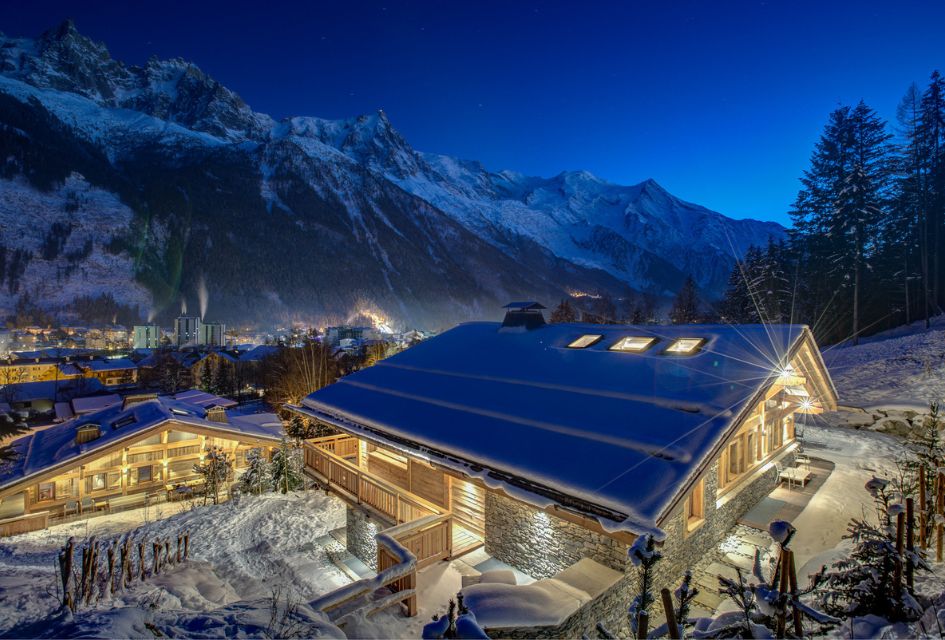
{"x":585,"y":341}
{"x":635,"y":344}
{"x":47,"y":491}
{"x":695,"y":511}
{"x":684,"y":346}
{"x":98,"y":482}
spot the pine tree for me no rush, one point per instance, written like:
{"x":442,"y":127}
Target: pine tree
{"x":256,"y":477}
{"x":224,"y":381}
{"x":216,"y":470}
{"x":564,"y":312}
{"x":206,"y":376}
{"x":932,"y":132}
{"x":286,"y":468}
{"x":685,"y":309}
{"x":838,"y":212}
{"x":300,"y":430}
{"x":643,"y":554}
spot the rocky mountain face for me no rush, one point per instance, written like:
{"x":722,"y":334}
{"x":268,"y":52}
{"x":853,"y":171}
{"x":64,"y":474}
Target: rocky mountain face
{"x":161,"y":187}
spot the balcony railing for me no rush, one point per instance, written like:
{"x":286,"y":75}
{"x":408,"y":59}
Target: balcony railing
{"x":422,"y":532}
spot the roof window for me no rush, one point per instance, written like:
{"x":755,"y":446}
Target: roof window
{"x":684,"y":346}
{"x":633,"y":344}
{"x":585,"y":341}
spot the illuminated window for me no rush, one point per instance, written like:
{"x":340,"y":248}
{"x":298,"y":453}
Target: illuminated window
{"x":47,"y":491}
{"x":585,"y":341}
{"x":98,"y":481}
{"x":634,"y":344}
{"x":695,"y":509}
{"x":684,"y":346}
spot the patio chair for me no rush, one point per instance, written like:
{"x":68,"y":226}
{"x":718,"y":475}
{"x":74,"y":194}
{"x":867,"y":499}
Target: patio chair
{"x":87,"y":505}
{"x":70,"y":508}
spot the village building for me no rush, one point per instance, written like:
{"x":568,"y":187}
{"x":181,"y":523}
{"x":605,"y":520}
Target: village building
{"x":137,"y":452}
{"x":556,"y":446}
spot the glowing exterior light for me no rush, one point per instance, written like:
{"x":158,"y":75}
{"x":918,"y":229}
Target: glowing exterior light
{"x":807,"y":405}
{"x":684,"y":346}
{"x":633,"y":344}
{"x":585,"y":341}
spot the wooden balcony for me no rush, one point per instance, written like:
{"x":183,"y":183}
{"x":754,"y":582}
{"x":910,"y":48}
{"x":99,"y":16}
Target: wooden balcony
{"x":421,"y":532}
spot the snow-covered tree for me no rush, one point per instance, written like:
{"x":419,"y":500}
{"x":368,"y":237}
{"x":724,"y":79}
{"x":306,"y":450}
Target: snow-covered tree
{"x":866,"y":582}
{"x":286,"y":468}
{"x":930,"y":456}
{"x":643,"y":555}
{"x":216,"y":470}
{"x":256,"y":478}
{"x":564,"y":312}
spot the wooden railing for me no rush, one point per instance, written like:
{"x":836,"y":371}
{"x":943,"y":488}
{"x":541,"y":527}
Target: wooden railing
{"x":394,"y":503}
{"x":421,"y":535}
{"x":341,"y":445}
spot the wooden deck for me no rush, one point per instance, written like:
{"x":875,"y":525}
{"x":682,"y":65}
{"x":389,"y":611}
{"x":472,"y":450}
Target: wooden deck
{"x":786,"y":503}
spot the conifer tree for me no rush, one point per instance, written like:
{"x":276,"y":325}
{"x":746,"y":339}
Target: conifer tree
{"x":685,"y":309}
{"x":644,"y":555}
{"x":837,"y":213}
{"x":256,"y":478}
{"x":286,"y":468}
{"x":300,"y":429}
{"x":216,"y":470}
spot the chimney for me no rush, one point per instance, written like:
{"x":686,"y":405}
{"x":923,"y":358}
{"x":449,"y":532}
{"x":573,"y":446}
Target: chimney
{"x":136,"y":398}
{"x":217,"y":414}
{"x":525,"y":315}
{"x":87,"y":433}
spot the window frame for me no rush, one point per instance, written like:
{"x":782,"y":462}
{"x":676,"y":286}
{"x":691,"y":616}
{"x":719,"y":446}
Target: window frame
{"x":595,"y":338}
{"x":668,"y":351}
{"x":651,"y":342}
{"x":695,"y":506}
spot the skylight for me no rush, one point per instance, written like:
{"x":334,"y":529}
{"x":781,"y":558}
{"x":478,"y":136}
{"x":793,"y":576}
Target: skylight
{"x":633,"y":344}
{"x":585,"y":341}
{"x":684,"y":346}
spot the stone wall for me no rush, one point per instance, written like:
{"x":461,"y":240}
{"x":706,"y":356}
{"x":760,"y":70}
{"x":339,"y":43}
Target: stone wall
{"x":359,"y":536}
{"x":540,"y":544}
{"x":682,"y":549}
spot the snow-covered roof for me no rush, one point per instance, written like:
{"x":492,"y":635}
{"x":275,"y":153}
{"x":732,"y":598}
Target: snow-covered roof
{"x":95,"y":403}
{"x":51,"y":389}
{"x":258,"y":353}
{"x":114,"y":364}
{"x":43,"y":450}
{"x":620,"y":431}
{"x":204,"y":399}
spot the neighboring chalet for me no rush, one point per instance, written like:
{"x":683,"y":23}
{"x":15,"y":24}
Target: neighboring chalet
{"x":127,"y":455}
{"x":555,"y":446}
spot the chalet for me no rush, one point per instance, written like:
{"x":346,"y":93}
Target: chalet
{"x":556,"y":446}
{"x":126,"y":455}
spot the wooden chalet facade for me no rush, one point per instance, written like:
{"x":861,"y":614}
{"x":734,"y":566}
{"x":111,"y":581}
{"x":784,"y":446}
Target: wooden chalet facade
{"x":125,"y":456}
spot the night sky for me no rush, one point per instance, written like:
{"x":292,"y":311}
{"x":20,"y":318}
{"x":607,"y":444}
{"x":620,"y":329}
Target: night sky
{"x":721,"y":102}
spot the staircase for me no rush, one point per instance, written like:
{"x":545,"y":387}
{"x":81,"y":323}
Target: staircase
{"x":735,"y":552}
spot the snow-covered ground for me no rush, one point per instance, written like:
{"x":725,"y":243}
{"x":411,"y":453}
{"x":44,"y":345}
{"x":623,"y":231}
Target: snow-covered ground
{"x":904,"y":367}
{"x":241,"y":554}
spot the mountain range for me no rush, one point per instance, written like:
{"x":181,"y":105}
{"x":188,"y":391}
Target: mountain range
{"x":159,"y":187}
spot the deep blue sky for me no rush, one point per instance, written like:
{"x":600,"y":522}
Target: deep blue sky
{"x":721,"y":102}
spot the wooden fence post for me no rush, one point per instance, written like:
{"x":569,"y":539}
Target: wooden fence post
{"x":923,"y":524}
{"x":910,"y":543}
{"x":670,"y":613}
{"x":900,"y":526}
{"x":792,"y":575}
{"x":939,"y":507}
{"x":782,"y":589}
{"x":65,"y":572}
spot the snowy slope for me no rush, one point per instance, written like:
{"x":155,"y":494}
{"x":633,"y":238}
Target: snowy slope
{"x":240,"y":555}
{"x":904,"y":367}
{"x":361,"y":217}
